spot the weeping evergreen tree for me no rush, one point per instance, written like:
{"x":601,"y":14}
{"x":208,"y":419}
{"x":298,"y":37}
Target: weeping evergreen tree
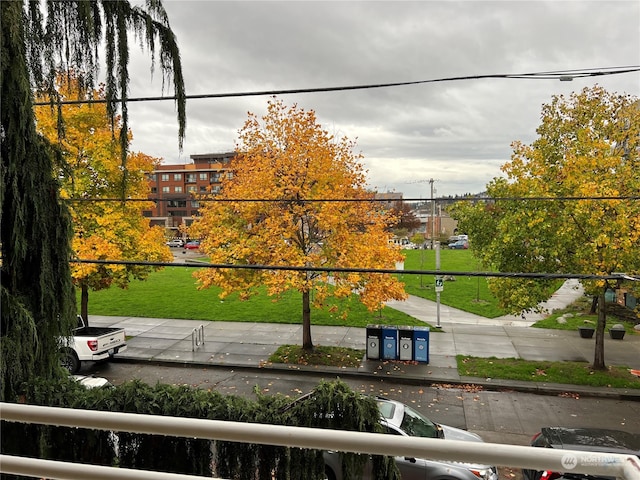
{"x":38,"y":302}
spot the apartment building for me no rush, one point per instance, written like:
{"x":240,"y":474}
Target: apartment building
{"x":176,"y":188}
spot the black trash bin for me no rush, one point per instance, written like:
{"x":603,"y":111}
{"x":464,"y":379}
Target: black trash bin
{"x":389,"y":343}
{"x":405,"y":343}
{"x":374,"y":342}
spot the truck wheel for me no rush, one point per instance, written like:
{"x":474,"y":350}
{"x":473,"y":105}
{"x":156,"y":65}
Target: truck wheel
{"x":69,"y":360}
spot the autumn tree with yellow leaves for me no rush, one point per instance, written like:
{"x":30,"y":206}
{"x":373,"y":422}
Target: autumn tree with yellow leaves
{"x":569,"y":204}
{"x":313,"y":211}
{"x":91,"y":169}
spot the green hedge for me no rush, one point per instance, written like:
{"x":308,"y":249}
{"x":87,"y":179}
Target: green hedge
{"x":348,"y":411}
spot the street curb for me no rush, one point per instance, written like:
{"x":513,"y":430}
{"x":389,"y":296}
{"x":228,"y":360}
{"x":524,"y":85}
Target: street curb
{"x":498,"y":385}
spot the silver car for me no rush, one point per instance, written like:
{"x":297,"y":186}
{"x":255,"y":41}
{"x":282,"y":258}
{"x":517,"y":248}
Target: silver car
{"x":175,"y":242}
{"x":400,"y":419}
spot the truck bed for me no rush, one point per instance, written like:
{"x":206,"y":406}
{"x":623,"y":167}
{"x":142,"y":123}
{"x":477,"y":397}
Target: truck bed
{"x":94,"y":331}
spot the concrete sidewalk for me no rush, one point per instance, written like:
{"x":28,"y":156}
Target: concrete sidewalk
{"x":249,"y":345}
{"x":426,"y":310}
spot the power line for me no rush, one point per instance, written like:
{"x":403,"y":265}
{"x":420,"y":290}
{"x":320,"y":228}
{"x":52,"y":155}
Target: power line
{"x":549,"y":276}
{"x":562,"y":75}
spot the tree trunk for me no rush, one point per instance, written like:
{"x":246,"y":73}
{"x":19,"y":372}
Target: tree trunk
{"x":84,"y":303}
{"x":594,"y":304}
{"x":598,"y":358}
{"x":307,"y":344}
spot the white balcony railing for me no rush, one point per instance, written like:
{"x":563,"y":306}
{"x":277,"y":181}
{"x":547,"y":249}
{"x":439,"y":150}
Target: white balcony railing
{"x":626,"y":467}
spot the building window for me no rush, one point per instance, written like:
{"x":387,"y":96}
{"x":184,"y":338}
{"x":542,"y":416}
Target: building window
{"x":154,"y":190}
{"x":191,"y":177}
{"x":195,"y":204}
{"x":215,"y":177}
{"x":203,"y":189}
{"x":215,"y":189}
{"x":203,"y":176}
{"x":192,"y":189}
{"x":177,"y":177}
{"x":165,"y":177}
{"x":152,"y":177}
{"x":177,"y":188}
{"x":165,"y":189}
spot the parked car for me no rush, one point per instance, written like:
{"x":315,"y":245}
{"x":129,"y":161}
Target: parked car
{"x":175,"y":242}
{"x":459,"y":245}
{"x":192,"y":245}
{"x":584,"y":439}
{"x":400,"y":419}
{"x":89,"y":381}
{"x":89,"y":343}
{"x":403,"y":242}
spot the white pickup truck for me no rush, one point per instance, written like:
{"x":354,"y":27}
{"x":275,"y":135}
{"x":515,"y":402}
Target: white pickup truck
{"x":91,"y":344}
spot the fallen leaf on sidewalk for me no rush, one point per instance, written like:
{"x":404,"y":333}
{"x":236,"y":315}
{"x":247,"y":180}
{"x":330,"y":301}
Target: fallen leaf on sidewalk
{"x":467,"y":387}
{"x":569,"y":395}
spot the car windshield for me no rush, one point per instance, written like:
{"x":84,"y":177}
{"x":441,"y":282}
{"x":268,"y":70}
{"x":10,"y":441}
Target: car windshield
{"x":415,"y":425}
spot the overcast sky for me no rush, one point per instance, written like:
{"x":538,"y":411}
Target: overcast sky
{"x":458,"y":133}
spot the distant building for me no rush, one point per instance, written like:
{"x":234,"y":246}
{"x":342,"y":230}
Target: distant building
{"x":442,"y":225}
{"x":177,"y":187}
{"x":389,"y":199}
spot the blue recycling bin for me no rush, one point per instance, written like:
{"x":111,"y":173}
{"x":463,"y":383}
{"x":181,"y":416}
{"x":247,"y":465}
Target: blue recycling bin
{"x":374,"y":342}
{"x":389,"y":343}
{"x":405,"y":343}
{"x":421,"y":344}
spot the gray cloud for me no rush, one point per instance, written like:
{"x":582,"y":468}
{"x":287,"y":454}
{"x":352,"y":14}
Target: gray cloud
{"x":457,"y":132}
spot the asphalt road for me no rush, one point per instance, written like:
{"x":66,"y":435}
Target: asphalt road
{"x":501,"y":417}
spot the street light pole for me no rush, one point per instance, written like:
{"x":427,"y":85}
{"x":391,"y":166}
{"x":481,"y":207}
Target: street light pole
{"x":433,"y":216}
{"x":439,"y":286}
{"x":436,"y":246}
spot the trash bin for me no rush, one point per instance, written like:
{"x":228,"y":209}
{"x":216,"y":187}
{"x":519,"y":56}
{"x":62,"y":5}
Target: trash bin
{"x":374,"y":341}
{"x":421,"y":344}
{"x":405,"y":343}
{"x":389,"y":343}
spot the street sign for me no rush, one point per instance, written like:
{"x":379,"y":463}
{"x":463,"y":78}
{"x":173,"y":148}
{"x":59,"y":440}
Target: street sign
{"x":439,"y":284}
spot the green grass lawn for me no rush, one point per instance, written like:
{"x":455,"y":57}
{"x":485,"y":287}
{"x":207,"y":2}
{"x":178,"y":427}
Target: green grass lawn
{"x":172,"y":293}
{"x":551,"y":372}
{"x":467,"y":293}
